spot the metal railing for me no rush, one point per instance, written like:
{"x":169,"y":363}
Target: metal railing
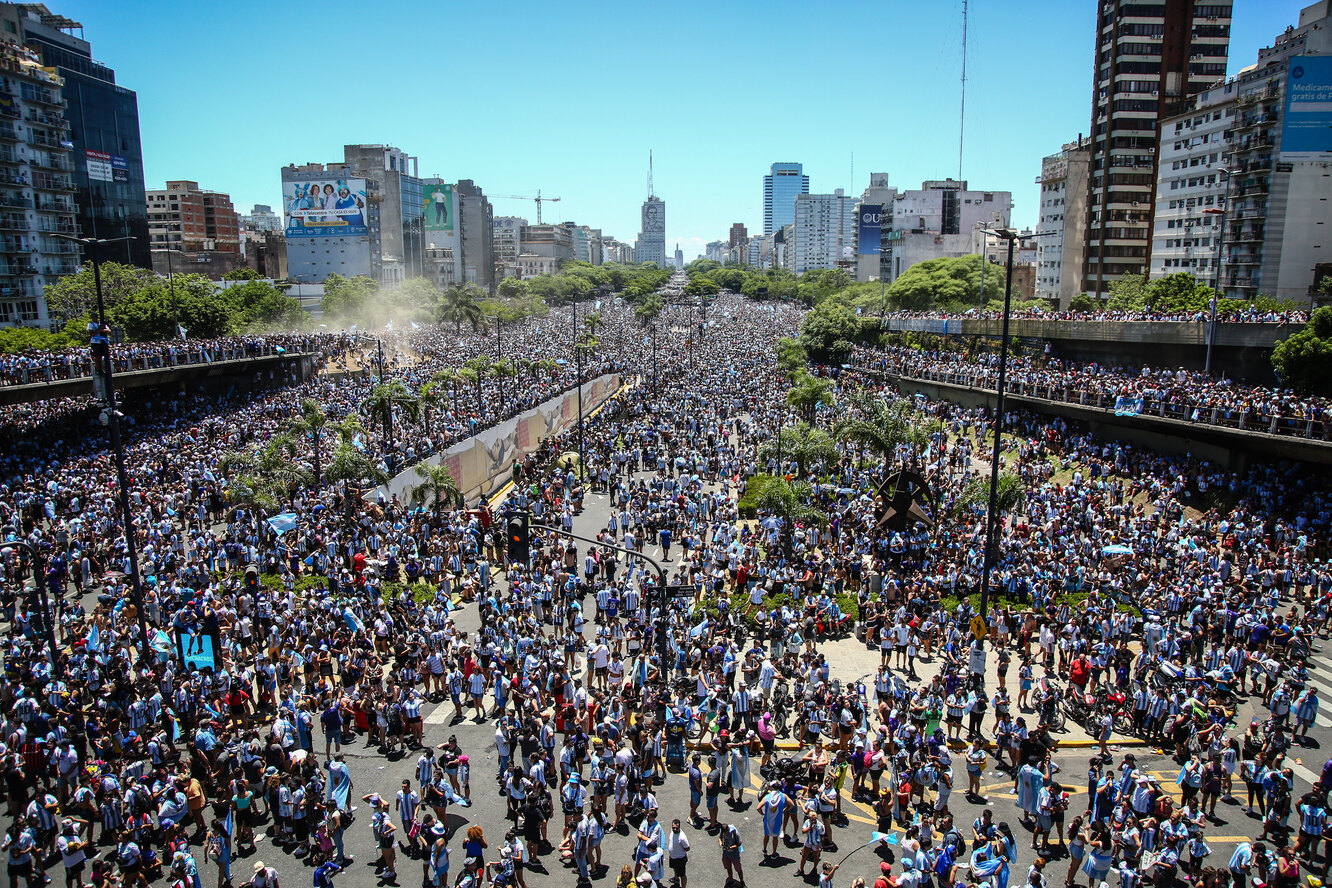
{"x":63,"y":367}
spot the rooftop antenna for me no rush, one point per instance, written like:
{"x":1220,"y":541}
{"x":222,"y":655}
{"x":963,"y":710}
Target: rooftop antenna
{"x":651,"y":193}
{"x":962,"y":117}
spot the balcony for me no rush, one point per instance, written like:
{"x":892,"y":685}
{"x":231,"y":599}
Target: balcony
{"x":17,"y":288}
{"x":15,"y":201}
{"x":55,"y":206}
{"x":58,"y":268}
{"x":8,"y":156}
{"x":57,"y":227}
{"x":47,"y":97}
{"x":55,"y":121}
{"x":9,"y":133}
{"x":16,"y":269}
{"x":42,"y":140}
{"x":57,"y":248}
{"x":9,"y":245}
{"x":52,"y":183}
{"x":13,"y":223}
{"x":51,"y":163}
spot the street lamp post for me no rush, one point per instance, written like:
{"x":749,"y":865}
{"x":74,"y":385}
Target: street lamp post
{"x":578,"y":363}
{"x":101,"y":349}
{"x":388,"y":410}
{"x":1220,"y":259}
{"x":499,"y":356}
{"x":990,"y":517}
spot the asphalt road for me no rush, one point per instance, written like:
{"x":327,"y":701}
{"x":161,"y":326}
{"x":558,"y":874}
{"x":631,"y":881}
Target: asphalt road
{"x":373,"y":772}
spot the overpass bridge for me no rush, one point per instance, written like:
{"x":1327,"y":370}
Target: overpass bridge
{"x":201,"y":367}
{"x":1223,"y":439}
{"x":1242,"y":349}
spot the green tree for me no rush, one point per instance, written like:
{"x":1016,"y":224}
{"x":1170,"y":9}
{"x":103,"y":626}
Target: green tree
{"x":153,"y":310}
{"x":75,"y":296}
{"x":258,"y":305}
{"x":437,"y":485}
{"x":877,"y":425}
{"x":1303,"y":359}
{"x":806,"y":445}
{"x":513,"y":288}
{"x":356,"y":470}
{"x":975,"y":495}
{"x":647,"y":310}
{"x":792,"y":503}
{"x":829,"y":332}
{"x":388,"y":398}
{"x":791,"y":356}
{"x":1129,"y":293}
{"x":701,"y":287}
{"x":808,"y":393}
{"x":244,"y":273}
{"x":461,"y":304}
{"x":310,"y":423}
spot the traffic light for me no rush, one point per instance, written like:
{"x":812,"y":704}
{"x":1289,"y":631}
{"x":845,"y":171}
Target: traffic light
{"x":519,"y":545}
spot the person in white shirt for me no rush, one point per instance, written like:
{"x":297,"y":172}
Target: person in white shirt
{"x":677,"y":850}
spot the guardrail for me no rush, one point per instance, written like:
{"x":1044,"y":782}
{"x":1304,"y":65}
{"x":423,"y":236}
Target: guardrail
{"x":77,"y":367}
{"x":1247,"y":420}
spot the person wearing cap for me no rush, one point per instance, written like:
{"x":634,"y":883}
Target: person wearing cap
{"x":73,"y":853}
{"x":265,"y":876}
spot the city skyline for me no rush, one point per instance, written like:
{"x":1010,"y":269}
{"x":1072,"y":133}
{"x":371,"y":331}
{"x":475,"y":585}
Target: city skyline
{"x":710,"y":158}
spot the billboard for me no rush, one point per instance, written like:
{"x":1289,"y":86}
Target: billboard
{"x":103,"y":167}
{"x":324,"y":207}
{"x":870,"y":229}
{"x":1306,"y":130}
{"x":438,"y":207}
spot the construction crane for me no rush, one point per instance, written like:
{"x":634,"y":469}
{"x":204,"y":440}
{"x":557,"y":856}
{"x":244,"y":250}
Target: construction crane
{"x":538,"y":200}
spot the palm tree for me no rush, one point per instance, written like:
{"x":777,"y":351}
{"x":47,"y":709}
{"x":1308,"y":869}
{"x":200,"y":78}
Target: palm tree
{"x":448,"y":376}
{"x":878,"y":426}
{"x":976,"y":495}
{"x":387,"y":397}
{"x":437,"y":484}
{"x":803,"y":443}
{"x":353,"y":467}
{"x":348,"y":428}
{"x":809,"y":393}
{"x":462,"y":303}
{"x":790,"y":502}
{"x":310,"y":423}
{"x":502,"y":369}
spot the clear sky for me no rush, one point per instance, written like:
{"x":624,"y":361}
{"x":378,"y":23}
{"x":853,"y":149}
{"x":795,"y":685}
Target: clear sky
{"x":569,"y":97}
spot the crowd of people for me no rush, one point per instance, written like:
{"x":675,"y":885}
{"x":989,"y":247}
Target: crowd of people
{"x":1249,"y":314}
{"x":31,"y":366}
{"x":267,"y":653}
{"x":1176,"y":393}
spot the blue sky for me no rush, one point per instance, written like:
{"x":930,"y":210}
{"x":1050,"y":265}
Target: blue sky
{"x":569,"y":97}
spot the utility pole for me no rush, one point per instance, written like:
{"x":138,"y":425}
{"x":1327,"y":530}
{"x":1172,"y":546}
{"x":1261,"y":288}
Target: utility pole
{"x":991,"y":520}
{"x":100,"y":343}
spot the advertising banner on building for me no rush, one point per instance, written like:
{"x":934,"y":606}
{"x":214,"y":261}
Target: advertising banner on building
{"x":325,"y":208}
{"x":870,"y":229}
{"x":438,"y":207}
{"x":1306,"y":130}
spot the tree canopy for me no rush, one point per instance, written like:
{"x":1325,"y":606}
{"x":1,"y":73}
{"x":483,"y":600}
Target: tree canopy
{"x":1303,"y":360}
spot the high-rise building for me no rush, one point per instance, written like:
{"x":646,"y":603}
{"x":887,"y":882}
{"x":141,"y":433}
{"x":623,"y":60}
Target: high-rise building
{"x":1063,"y":182}
{"x":679,"y":258}
{"x":476,"y":221}
{"x":102,"y":133}
{"x":1245,"y":152}
{"x":402,"y":207}
{"x":825,"y":230}
{"x":651,"y":244}
{"x":192,"y":228}
{"x":717,"y":251}
{"x":1148,"y":58}
{"x":875,"y":205}
{"x":780,"y":187}
{"x":332,"y":222}
{"x":261,"y":218}
{"x":738,"y":234}
{"x":508,"y":239}
{"x":35,"y":187}
{"x":937,"y":222}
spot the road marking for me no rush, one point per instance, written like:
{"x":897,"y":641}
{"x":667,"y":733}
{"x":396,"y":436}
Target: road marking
{"x":439,"y":716}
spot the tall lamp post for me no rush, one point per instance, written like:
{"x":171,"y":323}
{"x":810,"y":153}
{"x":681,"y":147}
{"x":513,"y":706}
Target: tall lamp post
{"x":1012,"y":237}
{"x":103,"y":380}
{"x":1220,"y":259}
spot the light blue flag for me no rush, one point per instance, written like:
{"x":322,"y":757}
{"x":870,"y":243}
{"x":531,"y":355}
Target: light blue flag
{"x":283,"y":522}
{"x":94,"y":639}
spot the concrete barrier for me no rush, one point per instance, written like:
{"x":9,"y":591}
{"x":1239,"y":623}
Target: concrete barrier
{"x":476,"y":463}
